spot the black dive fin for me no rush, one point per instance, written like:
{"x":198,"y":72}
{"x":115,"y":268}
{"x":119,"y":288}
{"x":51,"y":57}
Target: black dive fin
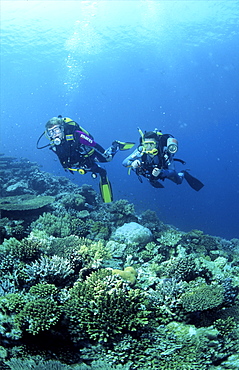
{"x":192,"y":181}
{"x":106,"y":190}
{"x":156,"y":184}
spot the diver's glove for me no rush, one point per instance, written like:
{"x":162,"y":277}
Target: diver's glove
{"x":136,"y":163}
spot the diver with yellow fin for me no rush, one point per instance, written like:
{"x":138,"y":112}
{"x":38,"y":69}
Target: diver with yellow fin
{"x":78,"y":152}
{"x":154,"y":160}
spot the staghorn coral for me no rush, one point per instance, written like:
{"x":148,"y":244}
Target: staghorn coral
{"x":165,"y":299}
{"x":168,"y":242}
{"x":150,"y":220}
{"x":54,"y":270}
{"x":196,"y":241}
{"x":99,"y":230}
{"x":122,"y":212}
{"x":122,"y":207}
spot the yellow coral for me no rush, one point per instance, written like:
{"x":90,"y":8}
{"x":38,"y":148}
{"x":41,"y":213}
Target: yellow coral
{"x":129,"y":274}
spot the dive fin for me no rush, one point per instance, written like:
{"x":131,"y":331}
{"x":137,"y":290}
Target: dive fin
{"x":192,"y":181}
{"x":106,"y":190}
{"x":124,"y":145}
{"x":156,"y":184}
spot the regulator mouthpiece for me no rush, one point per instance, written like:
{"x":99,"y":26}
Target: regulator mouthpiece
{"x":57,"y":141}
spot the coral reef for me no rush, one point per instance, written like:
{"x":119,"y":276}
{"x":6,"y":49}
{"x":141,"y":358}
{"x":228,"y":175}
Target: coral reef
{"x":87,"y":285}
{"x":132,"y":233}
{"x":24,"y":202}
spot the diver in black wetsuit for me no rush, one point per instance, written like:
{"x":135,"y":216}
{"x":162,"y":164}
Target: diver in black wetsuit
{"x":78,"y":152}
{"x":154,"y":159}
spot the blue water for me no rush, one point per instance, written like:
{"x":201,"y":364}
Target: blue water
{"x":116,"y":65}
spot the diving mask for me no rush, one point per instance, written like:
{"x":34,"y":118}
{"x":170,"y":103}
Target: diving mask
{"x":150,"y":147}
{"x":56,"y":134}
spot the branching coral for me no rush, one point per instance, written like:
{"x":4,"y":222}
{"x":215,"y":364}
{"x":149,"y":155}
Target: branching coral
{"x":92,"y":252}
{"x":75,"y":201}
{"x":10,"y":307}
{"x":102,"y":307}
{"x":58,"y":226}
{"x":39,"y":315}
{"x":53,"y":269}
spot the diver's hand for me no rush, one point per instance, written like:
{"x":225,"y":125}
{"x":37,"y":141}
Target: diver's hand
{"x":156,"y":172}
{"x":136,"y":163}
{"x":108,"y":157}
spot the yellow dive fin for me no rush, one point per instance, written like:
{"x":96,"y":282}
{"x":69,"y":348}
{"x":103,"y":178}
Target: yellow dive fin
{"x":124,"y":145}
{"x":106,"y":190}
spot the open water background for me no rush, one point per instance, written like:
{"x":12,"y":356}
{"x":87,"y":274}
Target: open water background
{"x":115,"y":65}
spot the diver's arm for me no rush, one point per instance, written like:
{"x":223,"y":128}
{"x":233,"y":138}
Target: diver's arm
{"x":136,"y":155}
{"x":169,"y":171}
{"x":85,"y":139}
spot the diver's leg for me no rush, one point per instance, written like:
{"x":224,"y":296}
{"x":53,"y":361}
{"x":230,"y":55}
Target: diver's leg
{"x":105,"y":185}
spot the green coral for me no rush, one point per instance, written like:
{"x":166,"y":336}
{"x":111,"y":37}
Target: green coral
{"x":39,"y":315}
{"x":202,"y":297}
{"x":226,"y":326}
{"x":44,"y":290}
{"x":75,"y":201}
{"x":27,"y":250}
{"x":198,"y":242}
{"x":34,"y":312}
{"x":92,"y":252}
{"x":58,"y":226}
{"x":99,"y":230}
{"x":102,"y":307}
{"x":173,"y":346}
{"x":11,"y":305}
{"x":28,"y":364}
{"x":168,"y":242}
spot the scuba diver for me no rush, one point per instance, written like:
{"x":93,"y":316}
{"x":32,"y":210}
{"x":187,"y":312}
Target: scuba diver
{"x":154,"y":160}
{"x":78,"y":152}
